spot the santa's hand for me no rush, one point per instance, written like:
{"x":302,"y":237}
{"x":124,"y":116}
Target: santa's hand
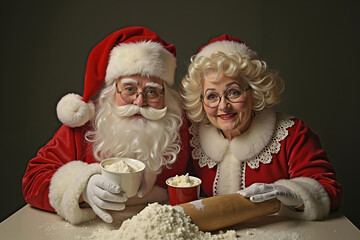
{"x":101,"y":194}
{"x":259,"y":192}
{"x":147,"y":183}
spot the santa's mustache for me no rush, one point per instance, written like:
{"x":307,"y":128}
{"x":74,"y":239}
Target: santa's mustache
{"x":147,"y":112}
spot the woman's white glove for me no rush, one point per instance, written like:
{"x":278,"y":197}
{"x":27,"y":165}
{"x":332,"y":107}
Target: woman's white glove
{"x":101,"y":193}
{"x":259,"y":192}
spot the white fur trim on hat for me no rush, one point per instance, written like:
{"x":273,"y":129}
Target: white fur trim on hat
{"x":316,"y":199}
{"x":226,"y":47}
{"x":144,"y":58}
{"x":66,"y":187}
{"x":74,"y":112}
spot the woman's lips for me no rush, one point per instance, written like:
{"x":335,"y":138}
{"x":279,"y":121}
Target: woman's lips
{"x":227,"y":116}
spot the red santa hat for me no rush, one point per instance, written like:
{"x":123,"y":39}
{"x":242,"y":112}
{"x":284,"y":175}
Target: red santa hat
{"x":226,"y":44}
{"x":129,"y":51}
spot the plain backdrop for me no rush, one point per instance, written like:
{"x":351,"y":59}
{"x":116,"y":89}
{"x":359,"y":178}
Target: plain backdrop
{"x":314,"y":45}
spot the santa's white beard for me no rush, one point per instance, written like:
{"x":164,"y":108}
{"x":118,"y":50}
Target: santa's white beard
{"x":156,"y":143}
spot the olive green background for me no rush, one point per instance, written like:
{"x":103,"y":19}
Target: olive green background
{"x":314,"y":45}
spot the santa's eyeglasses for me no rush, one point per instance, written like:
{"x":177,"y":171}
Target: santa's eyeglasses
{"x":130,"y":93}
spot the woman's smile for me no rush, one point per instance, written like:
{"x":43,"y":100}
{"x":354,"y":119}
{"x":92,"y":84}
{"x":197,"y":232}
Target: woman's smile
{"x":227,"y":116}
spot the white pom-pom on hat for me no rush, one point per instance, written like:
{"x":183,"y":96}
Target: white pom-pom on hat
{"x":73,"y":111}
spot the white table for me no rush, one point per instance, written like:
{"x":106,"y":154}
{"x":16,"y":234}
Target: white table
{"x":30,"y":223}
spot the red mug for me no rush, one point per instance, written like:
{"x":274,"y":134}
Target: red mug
{"x":179,"y":195}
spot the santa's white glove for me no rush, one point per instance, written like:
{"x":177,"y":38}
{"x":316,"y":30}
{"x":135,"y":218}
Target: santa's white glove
{"x":101,"y":194}
{"x":259,"y":192}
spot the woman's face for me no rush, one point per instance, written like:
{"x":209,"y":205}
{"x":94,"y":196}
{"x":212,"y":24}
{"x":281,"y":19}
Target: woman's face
{"x":233,"y":118}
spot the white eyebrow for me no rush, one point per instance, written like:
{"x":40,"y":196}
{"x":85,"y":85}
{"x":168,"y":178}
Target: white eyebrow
{"x":152,"y":84}
{"x":129,"y":80}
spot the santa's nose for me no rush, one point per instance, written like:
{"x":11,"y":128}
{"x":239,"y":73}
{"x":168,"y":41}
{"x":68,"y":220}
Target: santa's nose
{"x":140,"y":101}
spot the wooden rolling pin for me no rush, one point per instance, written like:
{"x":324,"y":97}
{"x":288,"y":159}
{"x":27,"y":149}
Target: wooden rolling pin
{"x":221,"y":211}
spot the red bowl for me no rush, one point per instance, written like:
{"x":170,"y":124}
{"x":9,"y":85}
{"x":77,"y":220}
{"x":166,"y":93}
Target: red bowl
{"x":179,"y":195}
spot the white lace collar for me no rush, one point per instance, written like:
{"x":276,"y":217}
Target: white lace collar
{"x":256,"y":145}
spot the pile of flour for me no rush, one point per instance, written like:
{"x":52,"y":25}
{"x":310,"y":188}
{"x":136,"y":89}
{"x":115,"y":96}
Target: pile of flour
{"x":183,"y":181}
{"x":159,"y":222}
{"x":122,"y":167}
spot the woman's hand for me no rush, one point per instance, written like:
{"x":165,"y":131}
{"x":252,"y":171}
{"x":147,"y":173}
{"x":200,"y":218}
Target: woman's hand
{"x":259,"y":192}
{"x":101,"y":194}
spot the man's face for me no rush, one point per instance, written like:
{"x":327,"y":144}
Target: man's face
{"x":141,"y":91}
{"x":145,"y":123}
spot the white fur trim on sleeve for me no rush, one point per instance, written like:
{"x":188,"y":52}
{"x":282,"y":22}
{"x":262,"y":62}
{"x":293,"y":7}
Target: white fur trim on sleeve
{"x":316,"y":199}
{"x":73,"y":111}
{"x":66,"y":187}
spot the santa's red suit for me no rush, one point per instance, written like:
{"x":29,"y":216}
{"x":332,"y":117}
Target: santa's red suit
{"x":277,"y":148}
{"x":57,"y":176}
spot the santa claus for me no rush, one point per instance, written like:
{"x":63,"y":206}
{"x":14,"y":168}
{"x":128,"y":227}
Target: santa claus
{"x":136,"y":115}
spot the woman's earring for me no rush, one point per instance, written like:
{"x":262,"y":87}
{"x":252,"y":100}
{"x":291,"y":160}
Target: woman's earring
{"x":207,"y":122}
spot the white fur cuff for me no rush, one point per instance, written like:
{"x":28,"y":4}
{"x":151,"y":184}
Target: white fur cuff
{"x":316,"y":199}
{"x":66,"y":187}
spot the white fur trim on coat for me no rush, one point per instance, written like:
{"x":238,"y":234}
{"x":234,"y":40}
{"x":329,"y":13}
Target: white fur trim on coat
{"x":229,"y":174}
{"x":144,"y":58}
{"x":243,"y":147}
{"x":66,"y":187}
{"x":73,"y":111}
{"x":227,"y":47}
{"x":316,"y":199}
